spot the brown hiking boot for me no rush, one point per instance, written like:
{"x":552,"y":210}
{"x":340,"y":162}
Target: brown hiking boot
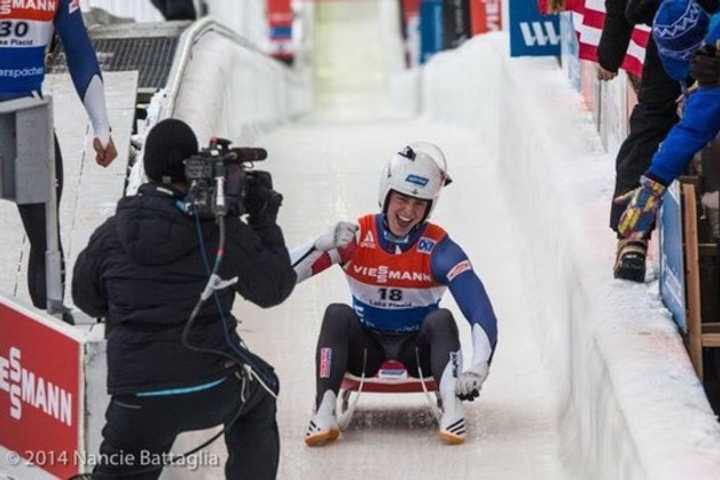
{"x":630,"y":260}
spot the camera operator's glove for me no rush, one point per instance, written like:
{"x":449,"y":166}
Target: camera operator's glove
{"x":470,"y":381}
{"x":705,"y":66}
{"x":262,"y":203}
{"x":642,"y":206}
{"x":340,"y":236}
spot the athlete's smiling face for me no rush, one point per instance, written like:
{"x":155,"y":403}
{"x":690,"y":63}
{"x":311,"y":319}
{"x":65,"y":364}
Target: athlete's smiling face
{"x":404,"y":212}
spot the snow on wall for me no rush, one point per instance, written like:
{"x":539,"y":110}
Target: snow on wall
{"x":242,"y":90}
{"x":227,"y":90}
{"x":632,"y":406}
{"x":247,"y":18}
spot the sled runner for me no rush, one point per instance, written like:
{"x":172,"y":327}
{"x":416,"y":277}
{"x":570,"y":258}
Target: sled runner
{"x":392,"y":377}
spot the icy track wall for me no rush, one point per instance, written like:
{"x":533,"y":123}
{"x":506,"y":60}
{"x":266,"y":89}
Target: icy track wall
{"x":630,"y":406}
{"x":222,"y":86}
{"x":228,"y":88}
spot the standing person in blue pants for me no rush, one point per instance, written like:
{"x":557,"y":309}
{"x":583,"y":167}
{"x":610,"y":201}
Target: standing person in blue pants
{"x":26,"y":28}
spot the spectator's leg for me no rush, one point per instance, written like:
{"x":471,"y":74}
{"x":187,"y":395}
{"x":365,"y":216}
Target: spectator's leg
{"x":651,"y":119}
{"x":176,"y":9}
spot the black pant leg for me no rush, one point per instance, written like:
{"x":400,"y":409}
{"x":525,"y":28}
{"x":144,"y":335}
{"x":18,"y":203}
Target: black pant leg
{"x":33,"y":218}
{"x":146,"y":427}
{"x":252,"y":440}
{"x":651,"y":120}
{"x":342,"y":346}
{"x":135,"y":430}
{"x":438,"y":338}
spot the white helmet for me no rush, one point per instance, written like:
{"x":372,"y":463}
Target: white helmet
{"x":419,"y":170}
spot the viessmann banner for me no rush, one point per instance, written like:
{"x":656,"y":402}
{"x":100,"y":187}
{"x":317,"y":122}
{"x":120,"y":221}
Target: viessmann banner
{"x":672,"y":263}
{"x":532,"y":33}
{"x":40,"y":392}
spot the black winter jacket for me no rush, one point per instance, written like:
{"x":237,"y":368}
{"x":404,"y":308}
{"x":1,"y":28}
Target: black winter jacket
{"x":615,"y":36}
{"x":142,"y":270}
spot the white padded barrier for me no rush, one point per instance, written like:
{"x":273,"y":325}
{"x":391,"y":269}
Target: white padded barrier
{"x":631,"y":405}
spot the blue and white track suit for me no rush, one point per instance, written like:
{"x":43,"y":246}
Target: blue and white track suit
{"x":26,"y":28}
{"x":395,"y":286}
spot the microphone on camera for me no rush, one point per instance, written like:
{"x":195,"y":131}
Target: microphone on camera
{"x":249,"y":154}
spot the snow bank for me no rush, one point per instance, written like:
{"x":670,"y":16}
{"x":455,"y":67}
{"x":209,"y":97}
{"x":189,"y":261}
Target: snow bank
{"x":631,"y":404}
{"x":241,"y":90}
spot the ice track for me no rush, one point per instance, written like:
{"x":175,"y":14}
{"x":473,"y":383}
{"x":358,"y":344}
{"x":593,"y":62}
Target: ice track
{"x":329,"y":172}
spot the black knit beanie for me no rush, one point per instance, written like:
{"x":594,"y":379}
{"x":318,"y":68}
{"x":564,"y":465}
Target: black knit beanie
{"x":169,"y":143}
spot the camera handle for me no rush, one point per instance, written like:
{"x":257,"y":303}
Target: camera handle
{"x":220,"y":195}
{"x":216,"y":283}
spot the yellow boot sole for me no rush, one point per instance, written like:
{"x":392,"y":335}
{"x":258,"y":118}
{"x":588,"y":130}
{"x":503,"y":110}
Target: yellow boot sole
{"x":322,"y":438}
{"x":451,"y":438}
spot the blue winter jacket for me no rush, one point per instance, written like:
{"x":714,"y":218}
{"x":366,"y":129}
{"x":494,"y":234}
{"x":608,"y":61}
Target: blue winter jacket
{"x":699,"y":125}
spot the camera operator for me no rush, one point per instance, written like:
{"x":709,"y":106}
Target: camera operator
{"x":143,"y":271}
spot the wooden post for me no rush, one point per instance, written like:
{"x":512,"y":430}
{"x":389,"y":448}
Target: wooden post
{"x":692,"y":267}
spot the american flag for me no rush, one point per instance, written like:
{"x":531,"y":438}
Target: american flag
{"x":588,"y":18}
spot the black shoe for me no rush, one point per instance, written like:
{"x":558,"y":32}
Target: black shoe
{"x":67,"y":315}
{"x":630,"y":260}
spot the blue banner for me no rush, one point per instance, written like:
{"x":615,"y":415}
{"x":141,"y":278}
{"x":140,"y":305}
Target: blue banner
{"x":431,"y":28}
{"x":281,"y":32}
{"x":672,"y":263}
{"x":532,"y":33}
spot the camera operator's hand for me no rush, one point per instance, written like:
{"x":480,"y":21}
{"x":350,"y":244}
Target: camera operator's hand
{"x":705,"y":67}
{"x":262,"y":202}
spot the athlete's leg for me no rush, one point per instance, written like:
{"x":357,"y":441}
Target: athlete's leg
{"x":437,"y":340}
{"x":343,"y":346}
{"x":439,"y":335}
{"x":33,"y":218}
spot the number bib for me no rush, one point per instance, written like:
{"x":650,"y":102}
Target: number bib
{"x":26,"y":27}
{"x":393,"y":292}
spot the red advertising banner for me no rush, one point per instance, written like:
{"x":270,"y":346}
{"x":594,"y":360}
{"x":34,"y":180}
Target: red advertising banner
{"x":279,"y":12}
{"x":486,"y":16}
{"x":280,"y":19}
{"x":40,"y":392}
{"x":411,"y":8}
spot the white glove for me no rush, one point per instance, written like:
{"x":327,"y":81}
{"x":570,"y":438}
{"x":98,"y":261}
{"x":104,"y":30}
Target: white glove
{"x":341,"y":235}
{"x":469,"y":382}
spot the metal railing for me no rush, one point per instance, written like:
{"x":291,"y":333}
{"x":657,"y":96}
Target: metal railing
{"x":189,"y":38}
